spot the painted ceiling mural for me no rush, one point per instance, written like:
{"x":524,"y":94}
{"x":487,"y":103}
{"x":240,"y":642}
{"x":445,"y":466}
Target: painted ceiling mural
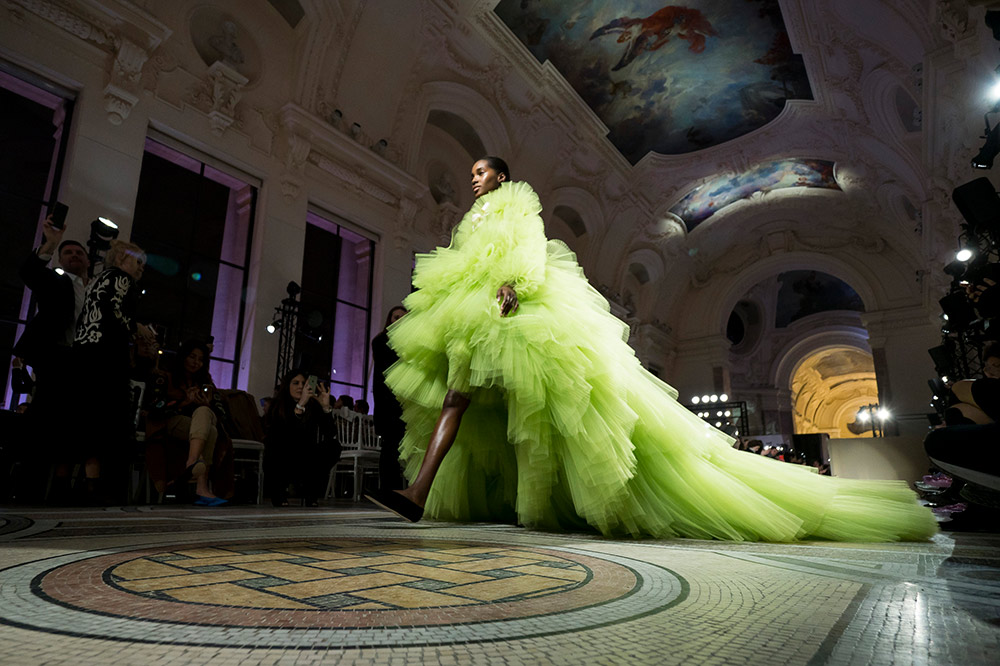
{"x":667,"y":78}
{"x":803,"y":293}
{"x":704,"y":201}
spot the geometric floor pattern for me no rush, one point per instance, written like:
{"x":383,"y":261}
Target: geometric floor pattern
{"x":346,"y":584}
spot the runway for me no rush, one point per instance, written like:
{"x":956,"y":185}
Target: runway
{"x":159,"y":585}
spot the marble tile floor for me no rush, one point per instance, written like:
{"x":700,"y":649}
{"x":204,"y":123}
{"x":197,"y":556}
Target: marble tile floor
{"x":352,"y":585}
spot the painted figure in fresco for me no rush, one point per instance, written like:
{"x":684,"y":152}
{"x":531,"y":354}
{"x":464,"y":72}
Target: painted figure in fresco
{"x":652,"y":32}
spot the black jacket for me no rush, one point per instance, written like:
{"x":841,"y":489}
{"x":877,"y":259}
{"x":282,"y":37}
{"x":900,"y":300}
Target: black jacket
{"x":55,"y":299}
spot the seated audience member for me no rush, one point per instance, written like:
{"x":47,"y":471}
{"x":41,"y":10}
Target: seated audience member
{"x":978,"y":399}
{"x":185,"y":405}
{"x":47,"y":342}
{"x":344,"y":403}
{"x":361,"y":406}
{"x":104,"y":332}
{"x":300,"y":442}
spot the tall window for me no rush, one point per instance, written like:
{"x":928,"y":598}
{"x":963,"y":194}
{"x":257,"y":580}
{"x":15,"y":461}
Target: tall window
{"x":336,"y":306}
{"x":195,"y":222}
{"x":34,"y":119}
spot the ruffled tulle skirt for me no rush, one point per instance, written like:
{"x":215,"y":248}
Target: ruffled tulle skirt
{"x":566,"y":430}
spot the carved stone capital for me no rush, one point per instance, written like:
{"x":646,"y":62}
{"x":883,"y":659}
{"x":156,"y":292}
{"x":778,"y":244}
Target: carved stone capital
{"x":120,"y":95}
{"x":226,"y":85}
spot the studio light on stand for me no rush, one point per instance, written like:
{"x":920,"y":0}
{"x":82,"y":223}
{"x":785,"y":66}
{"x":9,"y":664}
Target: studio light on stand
{"x":286,"y":324}
{"x":102,"y":232}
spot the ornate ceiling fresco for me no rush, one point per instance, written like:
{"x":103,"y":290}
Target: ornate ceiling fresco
{"x":702,"y":202}
{"x":803,"y":293}
{"x":667,"y":78}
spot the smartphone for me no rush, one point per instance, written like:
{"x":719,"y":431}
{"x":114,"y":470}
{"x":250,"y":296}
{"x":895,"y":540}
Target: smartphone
{"x":59,"y":211}
{"x":312,"y":380}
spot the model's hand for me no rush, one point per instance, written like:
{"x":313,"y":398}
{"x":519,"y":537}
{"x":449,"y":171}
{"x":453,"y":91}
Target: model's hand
{"x":507,"y":298}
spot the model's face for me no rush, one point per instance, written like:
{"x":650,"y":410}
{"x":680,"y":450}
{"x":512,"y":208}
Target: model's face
{"x":73,"y":259}
{"x":194,"y":361}
{"x":485,"y":179}
{"x":991,"y":368}
{"x":133,"y":264}
{"x":295,"y":387}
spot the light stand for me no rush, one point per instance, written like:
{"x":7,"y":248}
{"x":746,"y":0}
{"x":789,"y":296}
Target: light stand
{"x":286,"y":323}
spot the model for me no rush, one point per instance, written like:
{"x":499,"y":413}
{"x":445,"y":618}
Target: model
{"x":523,"y":403}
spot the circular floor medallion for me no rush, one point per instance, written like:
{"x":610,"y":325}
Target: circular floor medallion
{"x":332,"y":592}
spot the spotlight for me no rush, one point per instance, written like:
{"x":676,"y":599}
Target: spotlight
{"x":944,"y":378}
{"x":884,"y":414}
{"x":719,"y":413}
{"x":955,"y":268}
{"x":724,"y":398}
{"x":994,"y":93}
{"x":60,"y":271}
{"x":273,"y":326}
{"x":728,"y":413}
{"x":704,"y":398}
{"x":718,"y":424}
{"x":990,"y":149}
{"x":695,"y":400}
{"x":964,"y":254}
{"x":864,"y":416}
{"x":715,"y":398}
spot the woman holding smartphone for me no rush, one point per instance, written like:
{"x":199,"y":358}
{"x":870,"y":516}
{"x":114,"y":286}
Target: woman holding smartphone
{"x":300,"y":442}
{"x":186,"y":404}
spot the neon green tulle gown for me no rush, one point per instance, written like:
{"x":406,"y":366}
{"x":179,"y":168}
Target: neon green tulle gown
{"x":566,"y":430}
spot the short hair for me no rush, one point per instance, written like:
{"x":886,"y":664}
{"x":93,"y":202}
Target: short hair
{"x":70,"y":242}
{"x":497,"y":164}
{"x":346,"y":401}
{"x":119,"y":250}
{"x":991,"y":350}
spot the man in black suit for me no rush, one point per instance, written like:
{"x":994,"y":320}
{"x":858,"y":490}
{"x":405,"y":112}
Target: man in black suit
{"x":47,"y":342}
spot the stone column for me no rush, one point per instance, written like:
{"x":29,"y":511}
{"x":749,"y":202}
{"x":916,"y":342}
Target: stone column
{"x":899,"y":339}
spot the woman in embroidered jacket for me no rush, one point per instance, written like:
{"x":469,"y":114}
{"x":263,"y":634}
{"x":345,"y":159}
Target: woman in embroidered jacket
{"x":104,"y":332}
{"x":561,"y":427}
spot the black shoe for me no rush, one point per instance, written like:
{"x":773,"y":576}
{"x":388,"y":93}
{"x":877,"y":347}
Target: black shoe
{"x":390,"y":500}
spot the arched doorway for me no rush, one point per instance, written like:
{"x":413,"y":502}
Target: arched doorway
{"x":828,"y":387}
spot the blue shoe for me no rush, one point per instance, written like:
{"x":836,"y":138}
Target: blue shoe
{"x":210,"y":501}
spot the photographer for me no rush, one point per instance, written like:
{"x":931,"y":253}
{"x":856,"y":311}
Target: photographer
{"x":47,"y":342}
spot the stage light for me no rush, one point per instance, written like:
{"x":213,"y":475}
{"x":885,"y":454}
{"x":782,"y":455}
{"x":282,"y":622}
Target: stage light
{"x":704,"y":398}
{"x":724,"y":398}
{"x":944,"y":378}
{"x":273,"y":326}
{"x":715,"y":398}
{"x":695,"y":400}
{"x":728,"y":413}
{"x":964,"y":254}
{"x":944,"y":316}
{"x":984,"y":158}
{"x":719,"y":413}
{"x":993,"y":95}
{"x":60,"y":271}
{"x":864,"y":416}
{"x":884,"y":414}
{"x":718,"y":424}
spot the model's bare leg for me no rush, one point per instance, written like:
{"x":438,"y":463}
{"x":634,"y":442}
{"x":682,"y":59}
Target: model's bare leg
{"x":442,"y":438}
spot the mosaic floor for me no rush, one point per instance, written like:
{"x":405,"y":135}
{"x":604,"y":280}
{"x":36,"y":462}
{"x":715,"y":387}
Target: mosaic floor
{"x":249,"y":585}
